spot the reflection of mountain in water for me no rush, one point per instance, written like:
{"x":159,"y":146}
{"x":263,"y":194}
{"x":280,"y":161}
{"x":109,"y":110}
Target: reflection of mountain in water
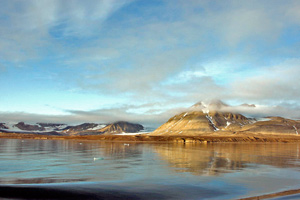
{"x":225,"y":158}
{"x":118,"y":150}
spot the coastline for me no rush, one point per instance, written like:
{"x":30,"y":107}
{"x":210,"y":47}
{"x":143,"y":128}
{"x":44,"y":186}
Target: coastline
{"x":285,"y":194}
{"x":154,"y":138}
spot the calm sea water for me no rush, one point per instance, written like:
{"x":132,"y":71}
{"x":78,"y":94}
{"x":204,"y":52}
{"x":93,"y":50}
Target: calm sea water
{"x":54,"y":169}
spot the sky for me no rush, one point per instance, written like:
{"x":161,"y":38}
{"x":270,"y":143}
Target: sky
{"x":142,"y":61}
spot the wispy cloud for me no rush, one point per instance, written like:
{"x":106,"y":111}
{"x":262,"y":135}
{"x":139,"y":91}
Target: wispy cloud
{"x":104,"y":115}
{"x":273,"y":84}
{"x":27,"y":27}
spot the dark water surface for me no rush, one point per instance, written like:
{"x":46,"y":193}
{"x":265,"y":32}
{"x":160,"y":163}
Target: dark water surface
{"x":54,"y":169}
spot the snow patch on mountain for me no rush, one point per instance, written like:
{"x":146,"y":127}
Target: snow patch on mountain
{"x":99,"y":126}
{"x":296,"y":130}
{"x":227,"y":124}
{"x":210,"y":119}
{"x":263,"y":119}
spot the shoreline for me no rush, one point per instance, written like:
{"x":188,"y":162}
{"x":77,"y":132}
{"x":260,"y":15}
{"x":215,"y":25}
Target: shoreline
{"x":285,"y":193}
{"x":151,"y":138}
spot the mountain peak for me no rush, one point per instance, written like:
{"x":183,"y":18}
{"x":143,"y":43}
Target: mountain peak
{"x":199,"y":105}
{"x":213,"y":105}
{"x":248,"y":105}
{"x":217,"y":104}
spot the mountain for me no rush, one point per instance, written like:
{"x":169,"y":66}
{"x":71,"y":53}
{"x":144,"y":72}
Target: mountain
{"x":248,"y":105}
{"x":63,"y":129}
{"x":3,"y":126}
{"x":122,"y":127}
{"x":273,"y":125}
{"x":94,"y":129}
{"x":84,"y":128}
{"x":202,"y":118}
{"x":216,"y":118}
{"x":21,"y":127}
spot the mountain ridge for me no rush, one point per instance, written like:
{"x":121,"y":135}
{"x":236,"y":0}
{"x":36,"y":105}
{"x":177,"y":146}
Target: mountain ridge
{"x":217,"y":118}
{"x":65,"y":130}
{"x":203,"y":118}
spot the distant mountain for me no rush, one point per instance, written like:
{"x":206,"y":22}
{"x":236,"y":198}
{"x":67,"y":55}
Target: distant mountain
{"x":3,"y":126}
{"x":84,"y":128}
{"x":94,"y":129}
{"x":122,"y":127}
{"x":63,"y":129}
{"x":22,"y":127}
{"x":216,"y":118}
{"x":248,"y":105}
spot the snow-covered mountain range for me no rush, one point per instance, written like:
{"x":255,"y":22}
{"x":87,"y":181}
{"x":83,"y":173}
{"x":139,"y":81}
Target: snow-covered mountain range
{"x":120,"y":127}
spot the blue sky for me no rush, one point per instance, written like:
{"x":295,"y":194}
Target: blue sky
{"x":138,"y":60}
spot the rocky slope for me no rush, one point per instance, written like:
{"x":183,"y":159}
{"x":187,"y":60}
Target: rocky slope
{"x":216,"y":118}
{"x":63,"y":129}
{"x":273,"y":125}
{"x":122,"y":127}
{"x":84,"y":128}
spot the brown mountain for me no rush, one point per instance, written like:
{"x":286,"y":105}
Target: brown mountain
{"x":215,"y":118}
{"x":273,"y":125}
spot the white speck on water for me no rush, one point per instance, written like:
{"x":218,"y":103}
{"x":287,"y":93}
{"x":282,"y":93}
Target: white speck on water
{"x":100,"y":158}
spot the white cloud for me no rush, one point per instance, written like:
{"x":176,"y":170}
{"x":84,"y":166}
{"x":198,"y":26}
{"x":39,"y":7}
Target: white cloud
{"x":105,"y":115}
{"x":274,"y":84}
{"x":29,"y":28}
{"x":261,"y":111}
{"x":85,"y":18}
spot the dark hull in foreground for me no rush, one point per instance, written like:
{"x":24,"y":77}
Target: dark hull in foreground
{"x":95,"y":191}
{"x":92,"y":191}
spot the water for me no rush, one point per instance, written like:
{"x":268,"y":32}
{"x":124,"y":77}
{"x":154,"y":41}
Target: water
{"x":53,"y":169}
